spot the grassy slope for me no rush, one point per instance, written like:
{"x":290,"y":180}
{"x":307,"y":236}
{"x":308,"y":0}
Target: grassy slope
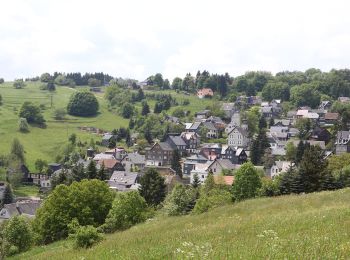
{"x":44,"y":143}
{"x":314,"y":226}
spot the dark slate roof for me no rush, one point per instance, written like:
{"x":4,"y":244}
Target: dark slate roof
{"x":107,"y":137}
{"x":136,"y":158}
{"x":177,"y":140}
{"x":19,"y":208}
{"x":165,"y":146}
{"x":196,"y":157}
{"x":240,"y":129}
{"x":209,"y":125}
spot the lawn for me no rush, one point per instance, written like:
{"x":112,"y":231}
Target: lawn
{"x":26,"y":191}
{"x":44,"y":143}
{"x":313,"y":226}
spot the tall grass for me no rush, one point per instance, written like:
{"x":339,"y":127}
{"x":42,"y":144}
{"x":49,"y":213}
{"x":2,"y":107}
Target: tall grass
{"x":313,"y":226}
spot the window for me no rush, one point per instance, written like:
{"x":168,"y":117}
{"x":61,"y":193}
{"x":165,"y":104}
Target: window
{"x":164,"y":157}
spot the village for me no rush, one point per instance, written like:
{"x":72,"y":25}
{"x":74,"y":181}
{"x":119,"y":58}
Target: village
{"x":196,"y":152}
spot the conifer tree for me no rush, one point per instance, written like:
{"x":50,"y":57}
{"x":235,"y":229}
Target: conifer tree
{"x":312,"y":168}
{"x":8,"y":194}
{"x":145,"y":109}
{"x":329,"y":182}
{"x":271,"y":122}
{"x":195,"y":182}
{"x":262,"y":122}
{"x":296,"y":184}
{"x":91,"y":170}
{"x":128,"y":138}
{"x":300,"y":152}
{"x":78,"y":172}
{"x":153,"y":187}
{"x":175,"y":164}
{"x":102,"y":174}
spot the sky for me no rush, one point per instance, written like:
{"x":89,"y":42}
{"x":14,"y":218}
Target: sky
{"x":136,"y":39}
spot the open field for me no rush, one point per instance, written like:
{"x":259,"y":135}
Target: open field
{"x":313,"y":226}
{"x":44,"y":143}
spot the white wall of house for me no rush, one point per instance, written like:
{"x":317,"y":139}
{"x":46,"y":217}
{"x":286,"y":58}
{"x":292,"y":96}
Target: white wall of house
{"x":235,"y":138}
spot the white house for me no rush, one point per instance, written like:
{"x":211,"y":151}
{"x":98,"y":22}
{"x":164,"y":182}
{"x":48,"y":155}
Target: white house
{"x":238,"y":137}
{"x":280,"y":167}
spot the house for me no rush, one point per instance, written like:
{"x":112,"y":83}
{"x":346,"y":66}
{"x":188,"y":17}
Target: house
{"x":26,"y":208}
{"x":342,"y":144}
{"x":106,"y":138}
{"x":205,"y":92}
{"x":320,"y":134}
{"x":211,"y":151}
{"x":192,"y":141}
{"x":280,"y":132}
{"x":235,"y":155}
{"x":229,"y":109}
{"x":201,"y":170}
{"x":280,"y":167}
{"x":191,"y":162}
{"x":254,"y":100}
{"x":238,"y":137}
{"x":211,"y":130}
{"x":103,"y":156}
{"x":203,"y":114}
{"x":325,"y":105}
{"x":45,"y":184}
{"x":172,"y":119}
{"x":177,"y":143}
{"x":109,"y":164}
{"x":321,"y":144}
{"x":282,"y":122}
{"x":219,"y":165}
{"x":124,"y":181}
{"x":344,"y":99}
{"x":267,"y":111}
{"x":133,"y":162}
{"x":331,"y":118}
{"x":54,"y":166}
{"x":217,"y":122}
{"x":193,"y":127}
{"x":160,"y":154}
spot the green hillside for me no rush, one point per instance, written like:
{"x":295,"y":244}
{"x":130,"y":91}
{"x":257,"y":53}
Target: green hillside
{"x":313,"y":226}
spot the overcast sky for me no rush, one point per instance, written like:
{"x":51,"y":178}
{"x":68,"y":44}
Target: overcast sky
{"x":136,"y":39}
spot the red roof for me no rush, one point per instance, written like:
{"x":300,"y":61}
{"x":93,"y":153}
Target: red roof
{"x":228,"y":180}
{"x":108,"y":163}
{"x":205,"y":92}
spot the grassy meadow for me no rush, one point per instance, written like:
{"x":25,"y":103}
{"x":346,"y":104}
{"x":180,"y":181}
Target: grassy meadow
{"x":45,"y":143}
{"x":313,"y":226}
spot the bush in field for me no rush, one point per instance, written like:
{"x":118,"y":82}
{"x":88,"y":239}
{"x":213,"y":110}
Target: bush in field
{"x":23,"y":125}
{"x":82,"y":104}
{"x":88,"y":201}
{"x":86,"y":236}
{"x":181,"y":200}
{"x":18,"y":234}
{"x":32,"y":113}
{"x":127,"y":210}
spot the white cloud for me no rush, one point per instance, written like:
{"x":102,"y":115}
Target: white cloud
{"x":137,"y":38}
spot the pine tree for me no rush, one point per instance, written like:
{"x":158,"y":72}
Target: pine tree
{"x":209,"y":184}
{"x":148,"y":135}
{"x":131,"y":123}
{"x":195,"y":182}
{"x":128,"y":138}
{"x":300,"y":152}
{"x":312,"y":168}
{"x":145,"y":109}
{"x":254,"y":152}
{"x":153,"y":187}
{"x":175,"y":164}
{"x":296,"y":185}
{"x":78,"y":172}
{"x":329,"y":182}
{"x":91,"y":170}
{"x":158,"y":108}
{"x":8,"y":195}
{"x":262,"y":122}
{"x":271,"y":122}
{"x":102,"y":174}
{"x":285,"y":181}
